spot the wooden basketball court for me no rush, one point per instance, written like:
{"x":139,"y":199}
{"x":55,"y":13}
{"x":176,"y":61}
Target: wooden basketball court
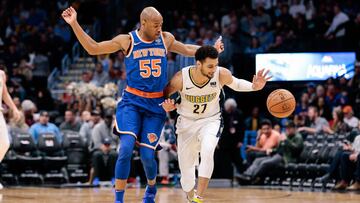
{"x":172,"y":195}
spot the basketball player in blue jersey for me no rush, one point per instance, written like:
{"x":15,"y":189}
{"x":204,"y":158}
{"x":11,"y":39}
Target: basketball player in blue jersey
{"x":139,"y":116}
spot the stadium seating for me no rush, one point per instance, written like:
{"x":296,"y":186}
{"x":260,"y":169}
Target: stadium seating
{"x":54,"y":159}
{"x":77,"y":153}
{"x":25,"y":161}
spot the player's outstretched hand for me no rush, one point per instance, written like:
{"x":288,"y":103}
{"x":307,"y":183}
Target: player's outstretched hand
{"x":69,"y":15}
{"x":260,"y":79}
{"x":169,"y":105}
{"x":219,"y":45}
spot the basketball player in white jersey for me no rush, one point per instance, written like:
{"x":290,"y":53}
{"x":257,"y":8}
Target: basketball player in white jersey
{"x":199,"y":122}
{"x":4,"y":95}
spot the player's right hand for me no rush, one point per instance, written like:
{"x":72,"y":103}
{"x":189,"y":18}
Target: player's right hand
{"x":168,"y":105}
{"x":69,"y":15}
{"x":16,"y":115}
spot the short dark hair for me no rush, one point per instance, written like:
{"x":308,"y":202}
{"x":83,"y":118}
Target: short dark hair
{"x":290,"y":124}
{"x":43,"y":113}
{"x":316,"y":109}
{"x":265,"y":122}
{"x":206,"y":52}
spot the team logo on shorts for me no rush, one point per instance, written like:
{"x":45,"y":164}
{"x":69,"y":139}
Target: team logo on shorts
{"x":152,"y":137}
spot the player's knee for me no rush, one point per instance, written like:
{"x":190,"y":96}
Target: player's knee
{"x":125,"y":152}
{"x":147,"y":158}
{"x":207,"y":151}
{"x":207,"y":157}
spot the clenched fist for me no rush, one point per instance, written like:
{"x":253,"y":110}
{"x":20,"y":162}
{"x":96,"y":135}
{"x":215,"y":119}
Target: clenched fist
{"x":69,"y":15}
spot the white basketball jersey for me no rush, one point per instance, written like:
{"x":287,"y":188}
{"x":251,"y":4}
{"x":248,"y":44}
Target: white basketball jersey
{"x":199,"y":102}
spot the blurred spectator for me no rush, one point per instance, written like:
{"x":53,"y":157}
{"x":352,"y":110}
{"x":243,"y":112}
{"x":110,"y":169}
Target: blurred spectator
{"x":232,"y":137}
{"x":316,"y":123}
{"x":209,"y":38}
{"x":172,"y":69}
{"x":285,"y":16}
{"x":332,"y":97}
{"x":267,"y":4}
{"x":301,"y":109}
{"x":102,"y":130}
{"x":41,"y":70}
{"x":350,"y":119}
{"x":168,"y":153}
{"x":350,"y":163}
{"x":107,"y":63}
{"x":63,"y":31}
{"x":336,"y":28}
{"x":266,"y":139}
{"x":70,"y":122}
{"x":262,"y":18}
{"x":253,"y":122}
{"x":354,"y":84}
{"x":29,"y":108}
{"x":87,"y":125}
{"x":277,"y":46}
{"x":288,"y":151}
{"x":265,"y":36}
{"x":311,"y":90}
{"x":86,"y":77}
{"x":356,"y":183}
{"x":323,"y":108}
{"x":44,"y":99}
{"x":100,"y":77}
{"x":44,"y":126}
{"x":247,"y":24}
{"x":118,"y":61}
{"x":338,"y":124}
{"x":254,"y":48}
{"x":103,"y":162}
{"x":62,"y":5}
{"x":297,"y":8}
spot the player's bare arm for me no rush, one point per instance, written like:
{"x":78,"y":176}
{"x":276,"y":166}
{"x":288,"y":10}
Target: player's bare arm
{"x":120,"y":42}
{"x":7,"y":99}
{"x":186,"y":49}
{"x":240,"y":85}
{"x":173,"y":86}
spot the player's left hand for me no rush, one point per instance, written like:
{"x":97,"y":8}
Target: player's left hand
{"x":219,"y":45}
{"x":260,"y":79}
{"x":169,"y":105}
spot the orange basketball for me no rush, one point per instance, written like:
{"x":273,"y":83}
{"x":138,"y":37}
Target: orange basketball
{"x":281,"y":103}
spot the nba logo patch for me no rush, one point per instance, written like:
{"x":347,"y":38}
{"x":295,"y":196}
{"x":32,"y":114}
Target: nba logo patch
{"x":213,"y":84}
{"x":158,"y":41}
{"x":152,"y":137}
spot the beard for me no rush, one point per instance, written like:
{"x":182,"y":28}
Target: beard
{"x":209,"y":75}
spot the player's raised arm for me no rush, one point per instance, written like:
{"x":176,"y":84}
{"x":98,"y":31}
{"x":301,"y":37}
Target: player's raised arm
{"x":187,"y":49}
{"x":240,"y":85}
{"x":173,"y":86}
{"x":120,"y":42}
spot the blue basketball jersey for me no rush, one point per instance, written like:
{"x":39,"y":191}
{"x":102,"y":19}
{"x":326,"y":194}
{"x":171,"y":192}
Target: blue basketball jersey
{"x":146,"y":64}
{"x":146,"y":72}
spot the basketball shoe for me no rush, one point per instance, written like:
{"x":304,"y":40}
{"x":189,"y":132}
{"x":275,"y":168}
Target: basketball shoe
{"x":149,"y":196}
